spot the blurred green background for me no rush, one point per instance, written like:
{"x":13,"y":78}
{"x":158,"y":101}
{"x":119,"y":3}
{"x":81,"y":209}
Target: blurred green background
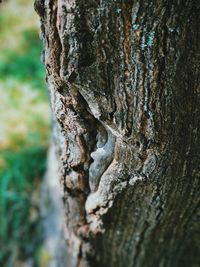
{"x":24,"y":131}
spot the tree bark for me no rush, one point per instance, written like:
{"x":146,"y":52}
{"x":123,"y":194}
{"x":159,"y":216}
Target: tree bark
{"x":125,"y":95}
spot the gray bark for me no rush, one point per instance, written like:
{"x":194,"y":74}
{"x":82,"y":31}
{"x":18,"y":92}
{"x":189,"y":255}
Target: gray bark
{"x":52,"y":216}
{"x":124,"y":84}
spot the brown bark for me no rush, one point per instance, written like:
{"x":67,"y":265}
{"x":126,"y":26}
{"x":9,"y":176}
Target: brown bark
{"x":124,"y":85}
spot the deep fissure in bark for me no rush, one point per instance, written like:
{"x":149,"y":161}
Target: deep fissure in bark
{"x":125,"y":96}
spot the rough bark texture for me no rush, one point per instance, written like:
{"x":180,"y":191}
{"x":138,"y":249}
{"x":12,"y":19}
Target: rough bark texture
{"x":125,"y":95}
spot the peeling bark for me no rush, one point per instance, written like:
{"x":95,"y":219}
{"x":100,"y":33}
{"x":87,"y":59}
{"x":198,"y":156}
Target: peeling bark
{"x":124,"y":85}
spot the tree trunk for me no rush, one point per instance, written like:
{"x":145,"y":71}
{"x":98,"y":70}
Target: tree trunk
{"x":125,"y":95}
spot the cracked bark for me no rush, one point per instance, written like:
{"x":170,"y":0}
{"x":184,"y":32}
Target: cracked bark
{"x":125,"y":96}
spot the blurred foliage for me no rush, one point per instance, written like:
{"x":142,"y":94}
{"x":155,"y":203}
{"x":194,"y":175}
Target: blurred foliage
{"x":24,"y":65}
{"x":24,"y":130}
{"x":19,"y":214}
